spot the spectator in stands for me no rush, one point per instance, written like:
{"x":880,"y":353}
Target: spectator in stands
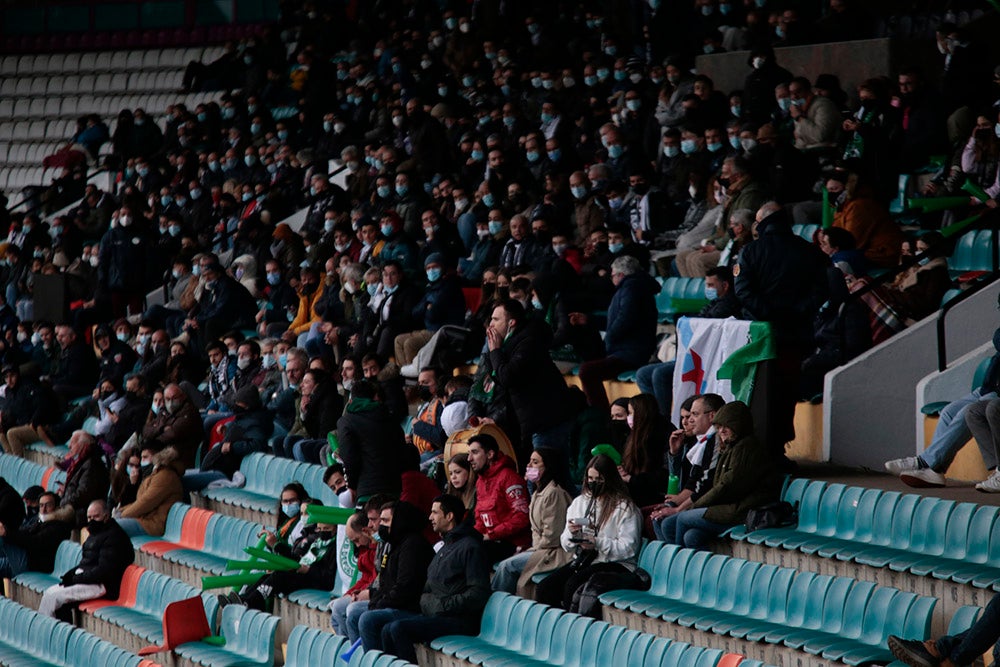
{"x":316,"y":552}
{"x":76,"y":371}
{"x":456,"y":590}
{"x":402,"y":578}
{"x":157,"y":493}
{"x":443,"y":304}
{"x":603,"y":532}
{"x":87,"y":478}
{"x":982,"y":419}
{"x":38,"y":540}
{"x":781,"y":279}
{"x":546,"y":472}
{"x":177,"y":425}
{"x":104,"y":557}
{"x":525,"y":384}
{"x":226,"y":304}
{"x":631,"y":332}
{"x":364,"y":554}
{"x":428,"y":435}
{"x":501,"y":499}
{"x":13,"y":559}
{"x":965,"y":648}
{"x":319,"y":407}
{"x":370,"y":444}
{"x":876,"y":234}
{"x":642,"y":467}
{"x":462,"y":481}
{"x":951,"y":432}
{"x":914,"y":294}
{"x":758,"y":89}
{"x":745,"y":477}
{"x":248,"y":432}
{"x":23,"y":408}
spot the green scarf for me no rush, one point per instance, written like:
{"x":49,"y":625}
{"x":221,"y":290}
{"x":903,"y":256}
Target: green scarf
{"x":359,"y":405}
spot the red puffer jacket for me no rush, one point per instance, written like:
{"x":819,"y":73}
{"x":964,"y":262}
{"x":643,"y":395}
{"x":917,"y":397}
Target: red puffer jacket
{"x":502,"y":504}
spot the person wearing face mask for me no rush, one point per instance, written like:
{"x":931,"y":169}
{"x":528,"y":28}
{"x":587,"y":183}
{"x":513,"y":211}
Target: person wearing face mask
{"x":177,"y":425}
{"x":875,"y":233}
{"x":279,"y":299}
{"x":817,"y":119}
{"x":546,"y":472}
{"x":24,"y":403}
{"x":157,"y":493}
{"x":124,"y":264}
{"x":310,"y":292}
{"x":403,"y":575}
{"x":104,"y":557}
{"x":87,"y":478}
{"x":745,"y":477}
{"x":399,"y":247}
{"x":443,"y":304}
{"x":758,"y":88}
{"x":316,"y":552}
{"x":603,"y":534}
{"x":428,"y":435}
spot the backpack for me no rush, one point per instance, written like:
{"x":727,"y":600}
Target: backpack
{"x":772,"y":515}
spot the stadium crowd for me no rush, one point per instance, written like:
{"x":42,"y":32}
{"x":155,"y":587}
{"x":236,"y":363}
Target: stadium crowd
{"x":512,"y":180}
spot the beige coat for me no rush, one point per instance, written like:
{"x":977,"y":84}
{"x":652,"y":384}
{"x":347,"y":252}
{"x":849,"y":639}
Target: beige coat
{"x":548,"y":518}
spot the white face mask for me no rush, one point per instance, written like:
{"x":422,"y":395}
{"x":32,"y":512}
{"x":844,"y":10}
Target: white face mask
{"x":94,"y":261}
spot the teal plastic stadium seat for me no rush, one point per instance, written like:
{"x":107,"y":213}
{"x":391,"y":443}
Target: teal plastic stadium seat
{"x":825,"y":526}
{"x":886,"y":543}
{"x":684,"y":588}
{"x":631,"y":649}
{"x":493,"y":629}
{"x":509,"y":633}
{"x":717,"y":591}
{"x":522,"y":633}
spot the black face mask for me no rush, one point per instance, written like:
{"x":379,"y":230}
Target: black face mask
{"x":383,"y":533}
{"x":424,"y":392}
{"x":308,"y":288}
{"x":983,"y":135}
{"x":640,"y":188}
{"x":96,"y":526}
{"x":489,"y":289}
{"x":503,"y":292}
{"x":595,"y":488}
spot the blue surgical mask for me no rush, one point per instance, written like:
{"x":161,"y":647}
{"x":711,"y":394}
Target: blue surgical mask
{"x":386,"y":230}
{"x":785,"y":103}
{"x":546,"y":117}
{"x":734,"y":141}
{"x":671,"y":151}
{"x":711,"y":293}
{"x":535,"y":303}
{"x":578,"y":191}
{"x":532,"y":156}
{"x":164,"y":201}
{"x":122,"y":336}
{"x":633,"y":105}
{"x":590,"y":80}
{"x":488,"y":200}
{"x":401,"y":190}
{"x":495,"y":227}
{"x":290,"y":509}
{"x":616,"y":248}
{"x":689,"y":146}
{"x":372,"y":289}
{"x":477,"y":155}
{"x":250,"y":160}
{"x":554,"y":155}
{"x":615,"y":151}
{"x":442,"y":91}
{"x":255,"y":128}
{"x":390,"y":290}
{"x":620,"y":75}
{"x":736,"y":110}
{"x":273,"y":278}
{"x":383,"y":191}
{"x":174,"y":230}
{"x":433,"y":275}
{"x":714,"y":147}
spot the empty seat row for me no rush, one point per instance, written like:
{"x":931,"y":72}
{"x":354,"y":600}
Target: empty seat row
{"x":196,"y":542}
{"x":67,"y":86}
{"x":973,"y":252}
{"x":136,"y":615}
{"x":680,"y":296}
{"x":925,"y":536}
{"x":249,"y":639}
{"x":524,"y":632}
{"x":308,"y":647}
{"x":106,"y":106}
{"x":266,"y":475}
{"x":21,"y":473}
{"x":27,"y":639}
{"x":15,"y":178}
{"x":52,"y":131}
{"x":840,"y":618}
{"x":27,"y":587}
{"x":105,"y":61}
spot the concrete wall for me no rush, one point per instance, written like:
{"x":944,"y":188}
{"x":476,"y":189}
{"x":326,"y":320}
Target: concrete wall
{"x":868,"y":414}
{"x":853,"y":62}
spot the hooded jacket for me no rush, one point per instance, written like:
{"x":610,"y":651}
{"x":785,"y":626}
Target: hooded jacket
{"x":458,"y":580}
{"x":103,"y":559}
{"x":502,"y":504}
{"x":157,"y":493}
{"x":371,"y":444}
{"x":745,"y":475}
{"x":404,"y":572}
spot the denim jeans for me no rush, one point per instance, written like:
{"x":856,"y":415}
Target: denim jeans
{"x":689,"y":528}
{"x":353,"y":614}
{"x":658,"y":380}
{"x":965,"y":647}
{"x":338,"y":614}
{"x":983,"y":420}
{"x":509,"y":571}
{"x":952,"y":432}
{"x":371,"y":624}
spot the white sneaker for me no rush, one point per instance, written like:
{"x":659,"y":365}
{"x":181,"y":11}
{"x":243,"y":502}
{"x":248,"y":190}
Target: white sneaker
{"x":899,"y":466}
{"x":991,"y":484}
{"x":923,"y":478}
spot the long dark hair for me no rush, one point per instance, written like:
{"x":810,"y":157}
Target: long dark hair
{"x":556,"y":468}
{"x":300,"y":491}
{"x":468,"y":494}
{"x":615,"y":491}
{"x":644,"y":446}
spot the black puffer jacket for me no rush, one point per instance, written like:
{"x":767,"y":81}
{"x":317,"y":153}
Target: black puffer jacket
{"x":371,"y":445}
{"x":104,"y":557}
{"x":402,"y":579}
